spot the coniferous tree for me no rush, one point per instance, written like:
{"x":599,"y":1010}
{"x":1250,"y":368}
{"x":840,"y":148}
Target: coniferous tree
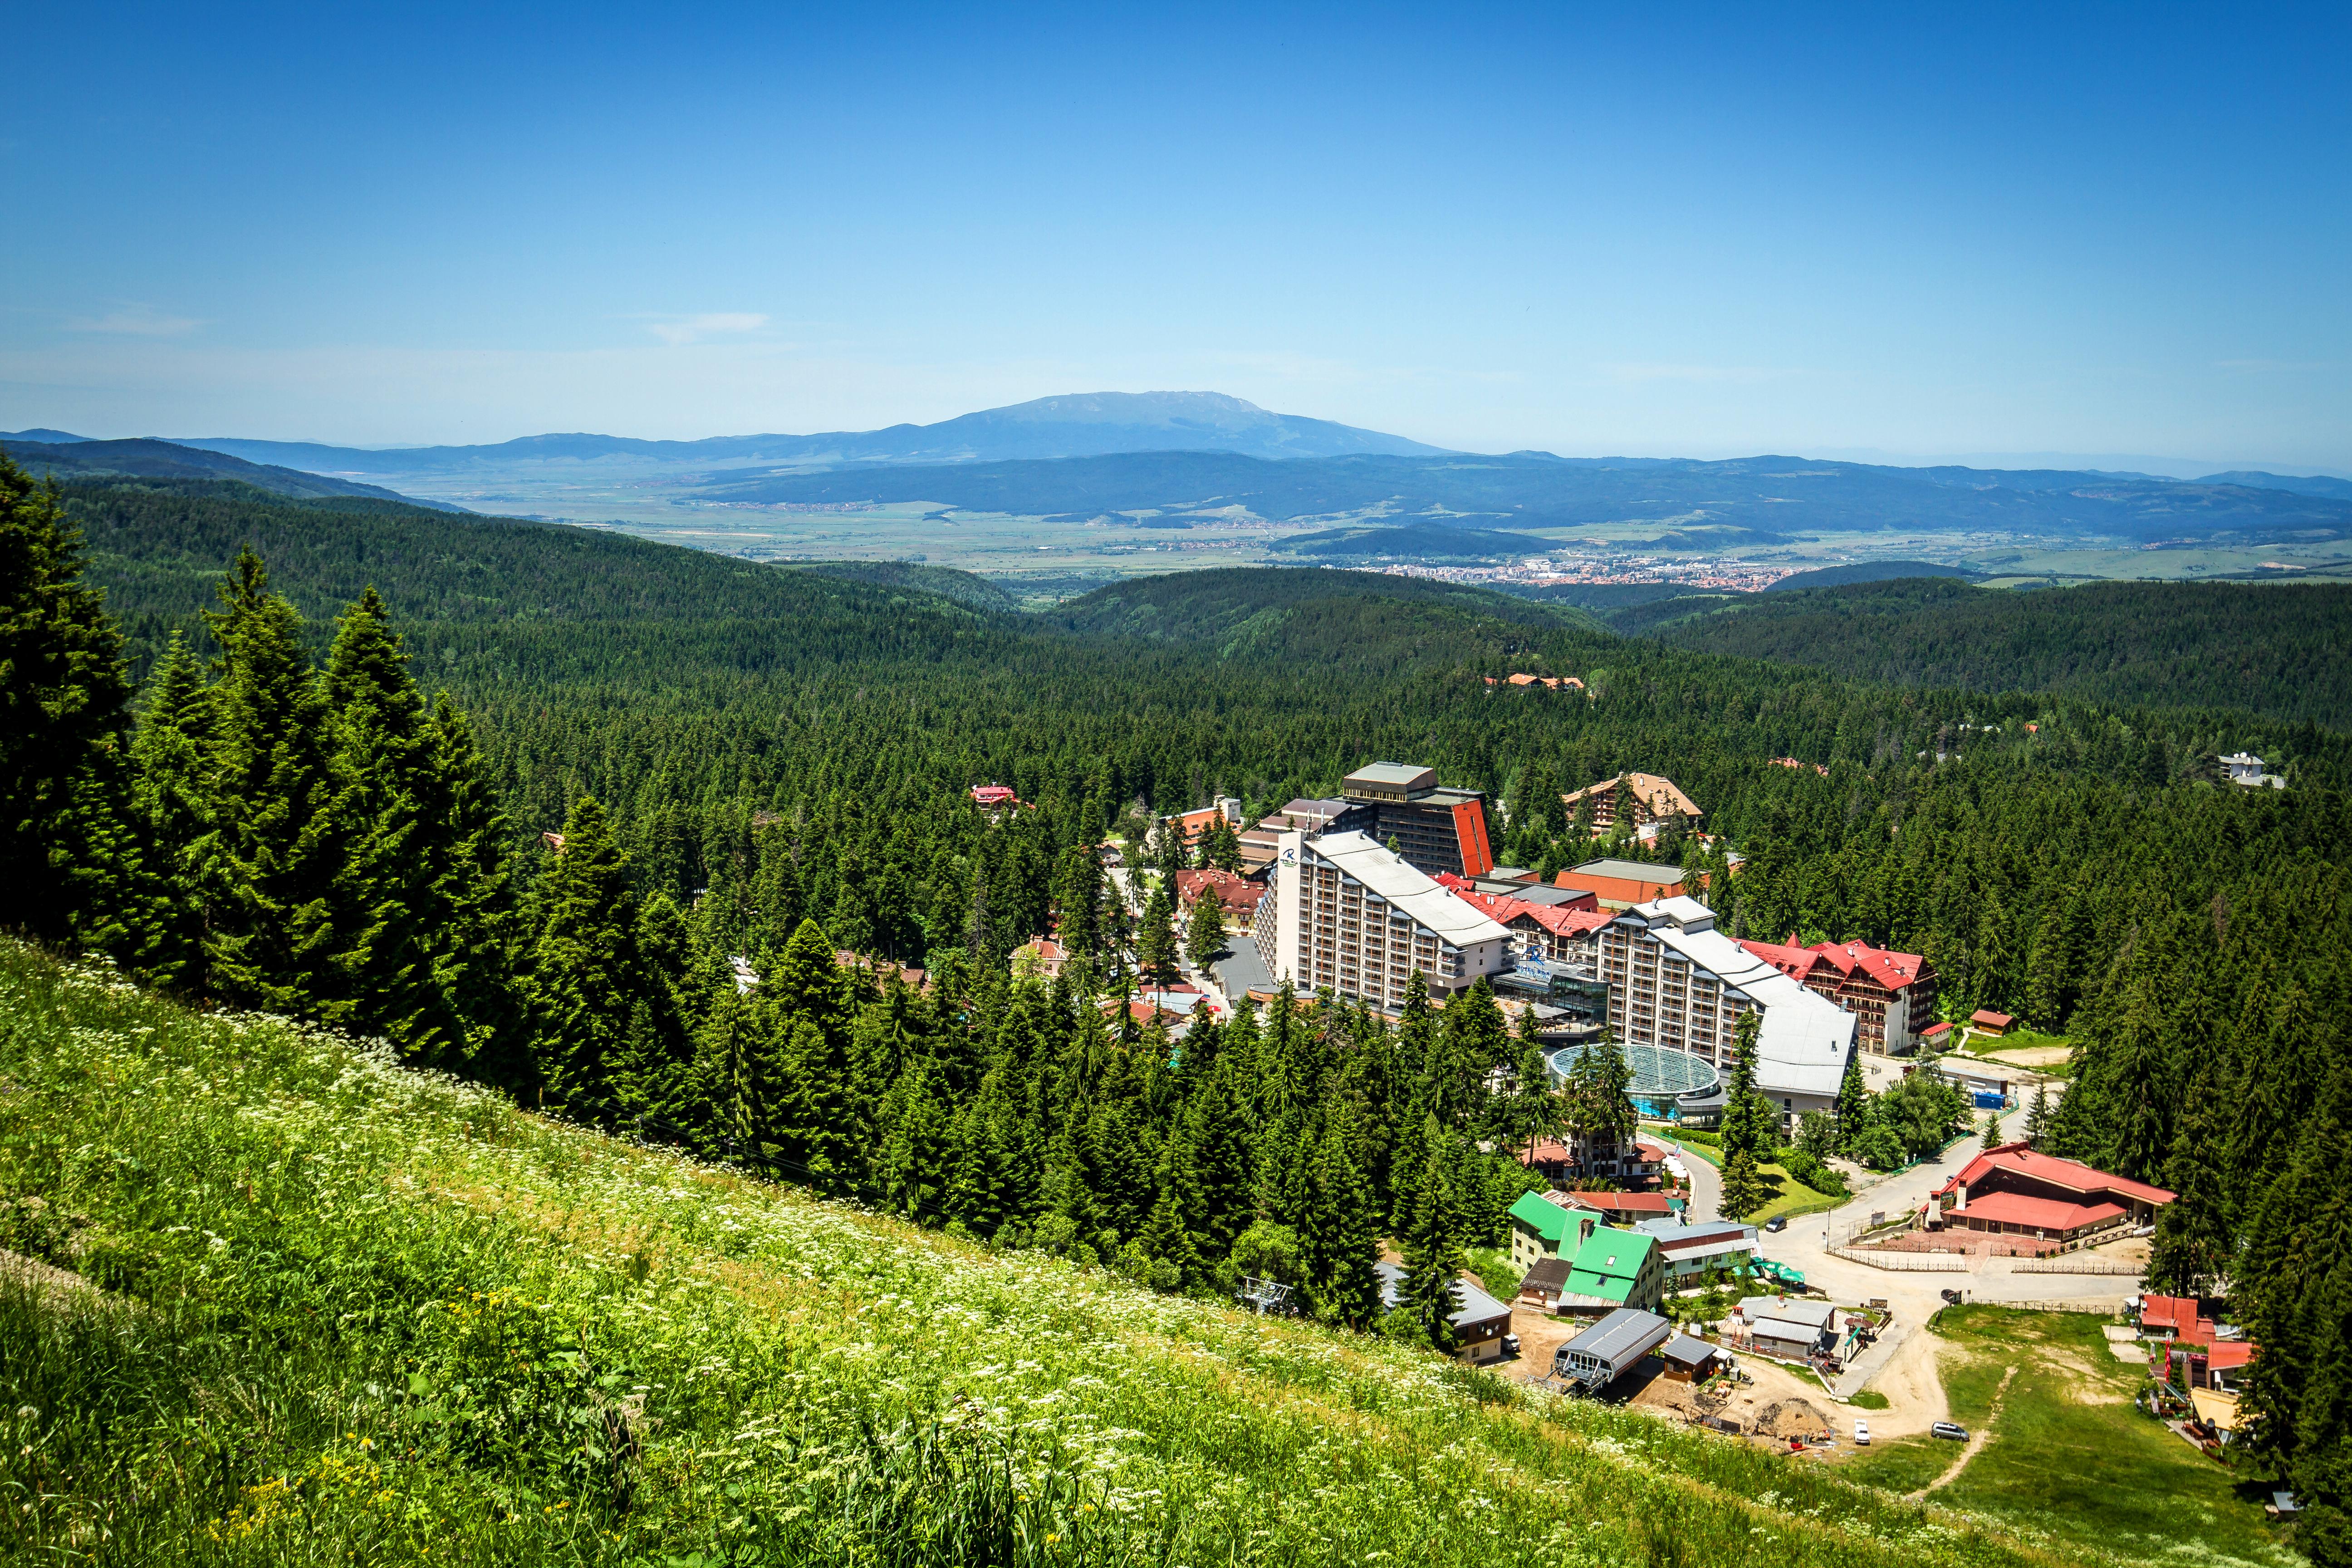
{"x":1155,"y":947}
{"x":2191,"y":1251}
{"x":68,"y":859}
{"x":1432,"y":1243}
{"x":1746,"y":1115}
{"x":173,"y":798}
{"x":1204,"y":932}
{"x":1341,"y":1231}
{"x":378,"y":917}
{"x":2037,"y":1116}
{"x":1077,"y":895}
{"x":473,"y":1013}
{"x":1852,"y":1099}
{"x":584,"y":961}
{"x":1743,"y":1186}
{"x":273,"y":858}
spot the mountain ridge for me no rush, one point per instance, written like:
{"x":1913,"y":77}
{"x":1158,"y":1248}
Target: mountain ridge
{"x":1065,"y":426}
{"x":146,"y":459}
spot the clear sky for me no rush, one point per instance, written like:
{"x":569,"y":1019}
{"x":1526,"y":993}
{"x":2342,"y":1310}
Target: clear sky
{"x":1914,"y":229}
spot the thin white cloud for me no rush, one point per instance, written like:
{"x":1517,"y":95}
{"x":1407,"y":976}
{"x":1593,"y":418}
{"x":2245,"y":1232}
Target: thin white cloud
{"x":134,"y":321}
{"x":676,"y":330}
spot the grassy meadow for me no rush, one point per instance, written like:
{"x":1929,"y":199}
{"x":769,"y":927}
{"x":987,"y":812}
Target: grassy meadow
{"x":345,"y":1312}
{"x":2068,"y":1459}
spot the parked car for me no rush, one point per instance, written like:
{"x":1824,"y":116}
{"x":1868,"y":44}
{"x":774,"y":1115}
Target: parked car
{"x":1956,"y":1431}
{"x":1951,"y":1296}
{"x":1510,"y":1344}
{"x":1862,"y":1434}
{"x":1776,"y":1224}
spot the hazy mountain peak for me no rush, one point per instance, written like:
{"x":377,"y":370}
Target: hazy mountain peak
{"x":1073,"y":425}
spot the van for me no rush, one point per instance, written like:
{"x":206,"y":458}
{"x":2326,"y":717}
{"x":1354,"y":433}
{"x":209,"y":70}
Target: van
{"x":1952,"y":1429}
{"x":1862,"y":1434}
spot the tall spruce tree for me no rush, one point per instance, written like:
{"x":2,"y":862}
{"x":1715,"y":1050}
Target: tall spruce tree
{"x":1204,"y":930}
{"x":1432,"y":1242}
{"x":274,"y":857}
{"x":1852,"y":1102}
{"x":1155,"y":947}
{"x":2191,"y":1252}
{"x":1746,"y":1114}
{"x":583,"y":967}
{"x":378,"y":920}
{"x":1341,"y":1230}
{"x":68,"y":855}
{"x":474,"y":1013}
{"x":173,"y":796}
{"x":1743,"y":1186}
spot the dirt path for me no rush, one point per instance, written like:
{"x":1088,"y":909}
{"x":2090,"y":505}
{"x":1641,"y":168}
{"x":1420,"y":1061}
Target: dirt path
{"x":1913,"y":1387}
{"x":1977,"y":1440}
{"x":43,"y":1276}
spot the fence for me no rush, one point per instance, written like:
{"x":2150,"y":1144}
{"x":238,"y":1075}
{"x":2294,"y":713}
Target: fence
{"x":2097,"y":1309}
{"x":2078,"y":1265}
{"x":1904,"y":1262}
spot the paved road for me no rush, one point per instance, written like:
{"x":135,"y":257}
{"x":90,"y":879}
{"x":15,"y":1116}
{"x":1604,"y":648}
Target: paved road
{"x":1913,"y":1296}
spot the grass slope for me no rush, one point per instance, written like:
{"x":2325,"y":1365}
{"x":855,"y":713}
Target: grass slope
{"x":363,"y":1314}
{"x":2070,"y":1459}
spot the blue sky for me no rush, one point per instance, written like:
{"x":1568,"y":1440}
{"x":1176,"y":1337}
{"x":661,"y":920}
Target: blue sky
{"x":1967,"y":230}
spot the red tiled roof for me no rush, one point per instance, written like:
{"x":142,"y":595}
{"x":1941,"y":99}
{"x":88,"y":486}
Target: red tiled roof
{"x":1934,"y":1029}
{"x":1891,"y":969}
{"x":2228,"y":1354}
{"x":992,"y":794}
{"x":1546,"y":1151}
{"x":1621,"y":1203}
{"x":2071,"y":1175}
{"x":1562,"y":921}
{"x":2174,"y":1312}
{"x":1503,"y":909}
{"x":1991,"y":1019}
{"x":2043,"y":1214}
{"x":1239,"y":894}
{"x":1796,"y":963}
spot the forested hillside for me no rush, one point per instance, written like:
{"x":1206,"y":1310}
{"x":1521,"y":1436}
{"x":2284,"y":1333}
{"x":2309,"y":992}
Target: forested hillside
{"x":776,"y":765}
{"x":2284,"y":651}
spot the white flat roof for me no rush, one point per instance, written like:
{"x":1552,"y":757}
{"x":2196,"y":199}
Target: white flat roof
{"x":1420,"y":896}
{"x":1805,"y":1038}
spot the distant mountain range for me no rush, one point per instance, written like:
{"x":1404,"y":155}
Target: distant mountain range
{"x":1697,"y":507}
{"x":1181,"y":459}
{"x":1083,"y":425}
{"x":76,"y":457}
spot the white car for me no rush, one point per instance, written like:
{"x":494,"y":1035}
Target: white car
{"x":1862,"y":1434}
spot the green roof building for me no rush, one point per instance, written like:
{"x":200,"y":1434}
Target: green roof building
{"x":1614,"y":1268}
{"x":1541,"y":1228}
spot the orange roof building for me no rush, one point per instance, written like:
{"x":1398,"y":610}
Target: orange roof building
{"x":1237,"y":894}
{"x":1618,"y":885}
{"x":1655,"y":797}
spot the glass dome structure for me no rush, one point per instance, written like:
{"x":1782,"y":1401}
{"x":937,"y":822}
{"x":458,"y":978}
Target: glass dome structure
{"x":1661,"y":1075}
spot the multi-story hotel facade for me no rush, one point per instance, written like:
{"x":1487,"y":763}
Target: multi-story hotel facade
{"x":1346,"y":914}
